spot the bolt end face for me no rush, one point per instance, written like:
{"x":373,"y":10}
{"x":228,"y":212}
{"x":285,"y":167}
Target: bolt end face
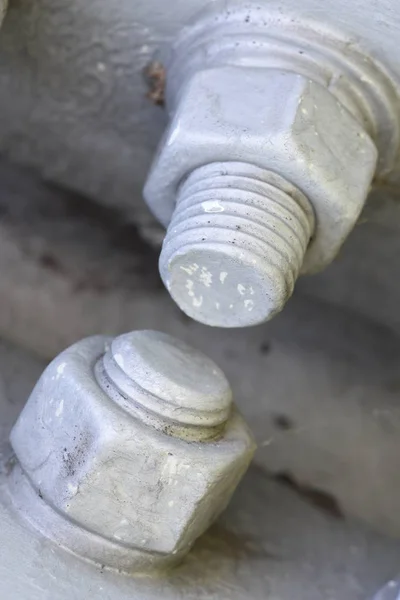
{"x":220,"y":287}
{"x":235,"y":245}
{"x":179,"y":382}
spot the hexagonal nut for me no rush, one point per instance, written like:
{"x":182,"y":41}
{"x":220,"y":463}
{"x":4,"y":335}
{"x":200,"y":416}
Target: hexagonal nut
{"x":277,"y":120}
{"x":111,"y":474}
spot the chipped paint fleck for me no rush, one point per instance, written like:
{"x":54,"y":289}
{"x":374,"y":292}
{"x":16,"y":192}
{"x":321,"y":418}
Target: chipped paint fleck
{"x":72,"y":488}
{"x":212,"y":206}
{"x":60,"y":408}
{"x":189,"y":286}
{"x":197,"y":302}
{"x":249,"y":304}
{"x":60,"y":369}
{"x":205,"y":277}
{"x":190,"y":269}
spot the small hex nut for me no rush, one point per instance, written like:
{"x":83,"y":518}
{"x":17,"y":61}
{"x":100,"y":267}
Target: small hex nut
{"x":115,"y":476}
{"x":276,"y":120}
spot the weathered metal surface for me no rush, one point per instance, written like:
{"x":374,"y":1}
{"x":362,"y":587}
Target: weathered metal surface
{"x":271,"y":542}
{"x":128,"y":449}
{"x":249,"y":94}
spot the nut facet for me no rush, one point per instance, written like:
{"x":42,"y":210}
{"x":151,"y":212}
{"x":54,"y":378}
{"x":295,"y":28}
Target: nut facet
{"x":128,"y":449}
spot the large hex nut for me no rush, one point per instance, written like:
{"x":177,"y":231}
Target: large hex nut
{"x":95,"y":461}
{"x":276,"y":120}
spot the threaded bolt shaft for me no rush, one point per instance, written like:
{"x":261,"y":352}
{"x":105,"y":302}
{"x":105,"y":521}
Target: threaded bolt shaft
{"x":166,"y":384}
{"x":236,"y":244}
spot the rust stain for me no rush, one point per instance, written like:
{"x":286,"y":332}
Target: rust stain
{"x":155,"y":77}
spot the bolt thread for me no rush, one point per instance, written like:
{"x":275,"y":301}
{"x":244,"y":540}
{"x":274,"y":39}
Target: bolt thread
{"x":166,"y":384}
{"x":247,"y":213}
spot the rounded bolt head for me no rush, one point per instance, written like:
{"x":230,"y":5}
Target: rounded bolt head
{"x":180,"y":382}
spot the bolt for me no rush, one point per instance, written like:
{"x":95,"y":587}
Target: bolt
{"x":267,"y":160}
{"x":235,"y":244}
{"x":128,"y":449}
{"x":167,"y":384}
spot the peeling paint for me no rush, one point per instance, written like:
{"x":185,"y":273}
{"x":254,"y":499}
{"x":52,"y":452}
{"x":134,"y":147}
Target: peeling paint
{"x":190,"y":269}
{"x":249,"y":304}
{"x":60,"y":408}
{"x":197,"y":302}
{"x":205,"y":277}
{"x":212,"y":206}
